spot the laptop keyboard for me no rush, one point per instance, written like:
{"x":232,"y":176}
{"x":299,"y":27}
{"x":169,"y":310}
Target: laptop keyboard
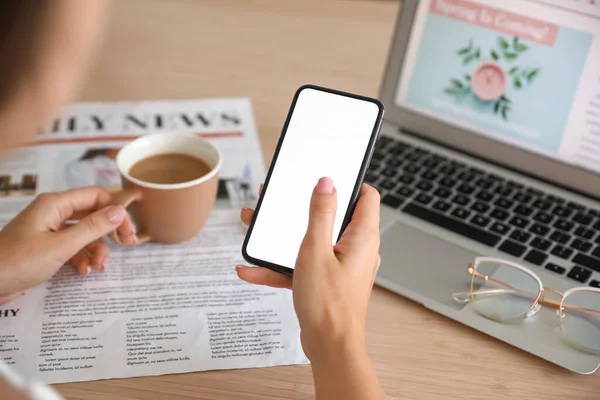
{"x":518,"y":220}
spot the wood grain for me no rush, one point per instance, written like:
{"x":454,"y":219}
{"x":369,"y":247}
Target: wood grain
{"x":265,"y":49}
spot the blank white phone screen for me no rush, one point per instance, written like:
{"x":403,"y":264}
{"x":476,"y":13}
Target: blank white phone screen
{"x":328,"y":135}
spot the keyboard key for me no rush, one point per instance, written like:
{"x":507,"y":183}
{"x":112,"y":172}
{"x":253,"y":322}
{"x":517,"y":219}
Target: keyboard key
{"x":500,"y":228}
{"x":485,"y":195}
{"x":374,"y":165}
{"x":579,"y":274}
{"x":397,"y":150}
{"x":447,"y":170}
{"x":461,"y":213}
{"x":556,"y":268}
{"x":583,"y":219}
{"x":519,"y":222}
{"x":514,"y":184}
{"x":461,"y":199}
{"x":595,"y":283}
{"x":539,"y":229}
{"x":407,"y":179}
{"x":536,"y":257}
{"x":480,"y":207}
{"x":562,"y":252}
{"x":452,"y":224}
{"x":480,"y":220}
{"x":476,"y":171}
{"x":379,"y":156}
{"x":448,"y":182}
{"x":543,"y":217}
{"x":563,"y":212}
{"x":520,"y":236}
{"x":371,"y":177}
{"x":512,"y":248}
{"x":405,"y":191}
{"x":388,"y":184}
{"x":540,"y":243}
{"x":576,"y":206}
{"x":412,"y":168}
{"x":581,"y":245}
{"x":413,"y":156}
{"x":535,"y":192}
{"x":442,"y":206}
{"x":485,"y":183}
{"x":587,"y":261}
{"x":389,"y":172}
{"x":495,"y":178}
{"x":522,"y":197}
{"x":555,"y":199}
{"x":499,"y":214}
{"x":424,"y":198}
{"x":504,"y":190}
{"x":425,"y":186}
{"x":585,"y":233}
{"x":523,"y":210}
{"x":395,"y":162}
{"x":430,"y":163}
{"x":560,"y":237}
{"x":595,"y":213}
{"x":442,"y":192}
{"x":466,"y":188}
{"x":392,"y":201}
{"x":466,"y":176}
{"x":429,"y":175}
{"x":504,"y":203}
{"x":542,"y":204}
{"x":457,"y":164}
{"x":564,"y":225}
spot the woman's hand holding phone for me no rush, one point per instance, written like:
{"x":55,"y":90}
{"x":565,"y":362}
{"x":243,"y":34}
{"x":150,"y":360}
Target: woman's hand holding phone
{"x":331,"y":288}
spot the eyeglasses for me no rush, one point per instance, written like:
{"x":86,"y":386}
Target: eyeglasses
{"x":507,"y":292}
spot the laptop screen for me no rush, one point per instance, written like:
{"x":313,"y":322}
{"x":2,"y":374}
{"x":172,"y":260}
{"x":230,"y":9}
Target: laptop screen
{"x":525,"y":72}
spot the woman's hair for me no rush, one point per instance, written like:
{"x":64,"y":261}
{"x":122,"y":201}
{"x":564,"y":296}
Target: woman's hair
{"x":20,"y":39}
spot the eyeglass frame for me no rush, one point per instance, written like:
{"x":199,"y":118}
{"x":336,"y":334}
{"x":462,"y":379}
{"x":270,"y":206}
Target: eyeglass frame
{"x":472,"y":270}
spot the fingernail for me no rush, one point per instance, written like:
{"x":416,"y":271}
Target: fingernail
{"x":246,"y":209}
{"x":135,"y":238}
{"x":237,"y":268}
{"x":325,"y":186}
{"x":116,"y":214}
{"x":89,"y":270}
{"x":105,"y":263}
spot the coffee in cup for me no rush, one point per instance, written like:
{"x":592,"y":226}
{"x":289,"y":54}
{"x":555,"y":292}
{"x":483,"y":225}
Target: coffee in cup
{"x":169,"y":185}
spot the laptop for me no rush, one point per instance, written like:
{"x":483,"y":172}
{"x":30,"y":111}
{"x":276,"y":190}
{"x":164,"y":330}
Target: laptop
{"x":491,"y":147}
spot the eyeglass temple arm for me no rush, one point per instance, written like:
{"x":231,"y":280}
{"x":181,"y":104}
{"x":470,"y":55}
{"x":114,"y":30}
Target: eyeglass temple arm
{"x":544,"y":300}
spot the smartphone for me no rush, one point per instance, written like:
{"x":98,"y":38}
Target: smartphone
{"x":326,"y":133}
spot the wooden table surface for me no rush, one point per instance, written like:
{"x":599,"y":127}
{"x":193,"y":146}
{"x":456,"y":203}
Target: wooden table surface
{"x":265,"y":49}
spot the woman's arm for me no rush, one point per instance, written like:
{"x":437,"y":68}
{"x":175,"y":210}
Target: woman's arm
{"x":332,"y":286}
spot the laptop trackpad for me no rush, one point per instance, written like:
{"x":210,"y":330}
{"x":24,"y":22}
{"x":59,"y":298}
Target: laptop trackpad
{"x":423,"y":266}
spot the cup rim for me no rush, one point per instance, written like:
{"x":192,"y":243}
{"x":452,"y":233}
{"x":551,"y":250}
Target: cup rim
{"x":170,"y":186}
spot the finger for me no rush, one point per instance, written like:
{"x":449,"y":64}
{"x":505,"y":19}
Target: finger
{"x":323,"y":206}
{"x":366,"y":212}
{"x":73,"y":204}
{"x":89,"y":229}
{"x":99,"y":252}
{"x":127,"y":232}
{"x":246,"y":215}
{"x":264,"y":276}
{"x":81,"y":262}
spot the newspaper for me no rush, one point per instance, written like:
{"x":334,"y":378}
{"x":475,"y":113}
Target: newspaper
{"x":156,"y":309}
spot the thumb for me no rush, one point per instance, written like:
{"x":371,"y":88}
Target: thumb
{"x":323,"y":206}
{"x":90,"y":228}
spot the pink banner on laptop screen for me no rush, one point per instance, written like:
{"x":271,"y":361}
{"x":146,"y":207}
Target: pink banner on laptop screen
{"x":498,"y":20}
